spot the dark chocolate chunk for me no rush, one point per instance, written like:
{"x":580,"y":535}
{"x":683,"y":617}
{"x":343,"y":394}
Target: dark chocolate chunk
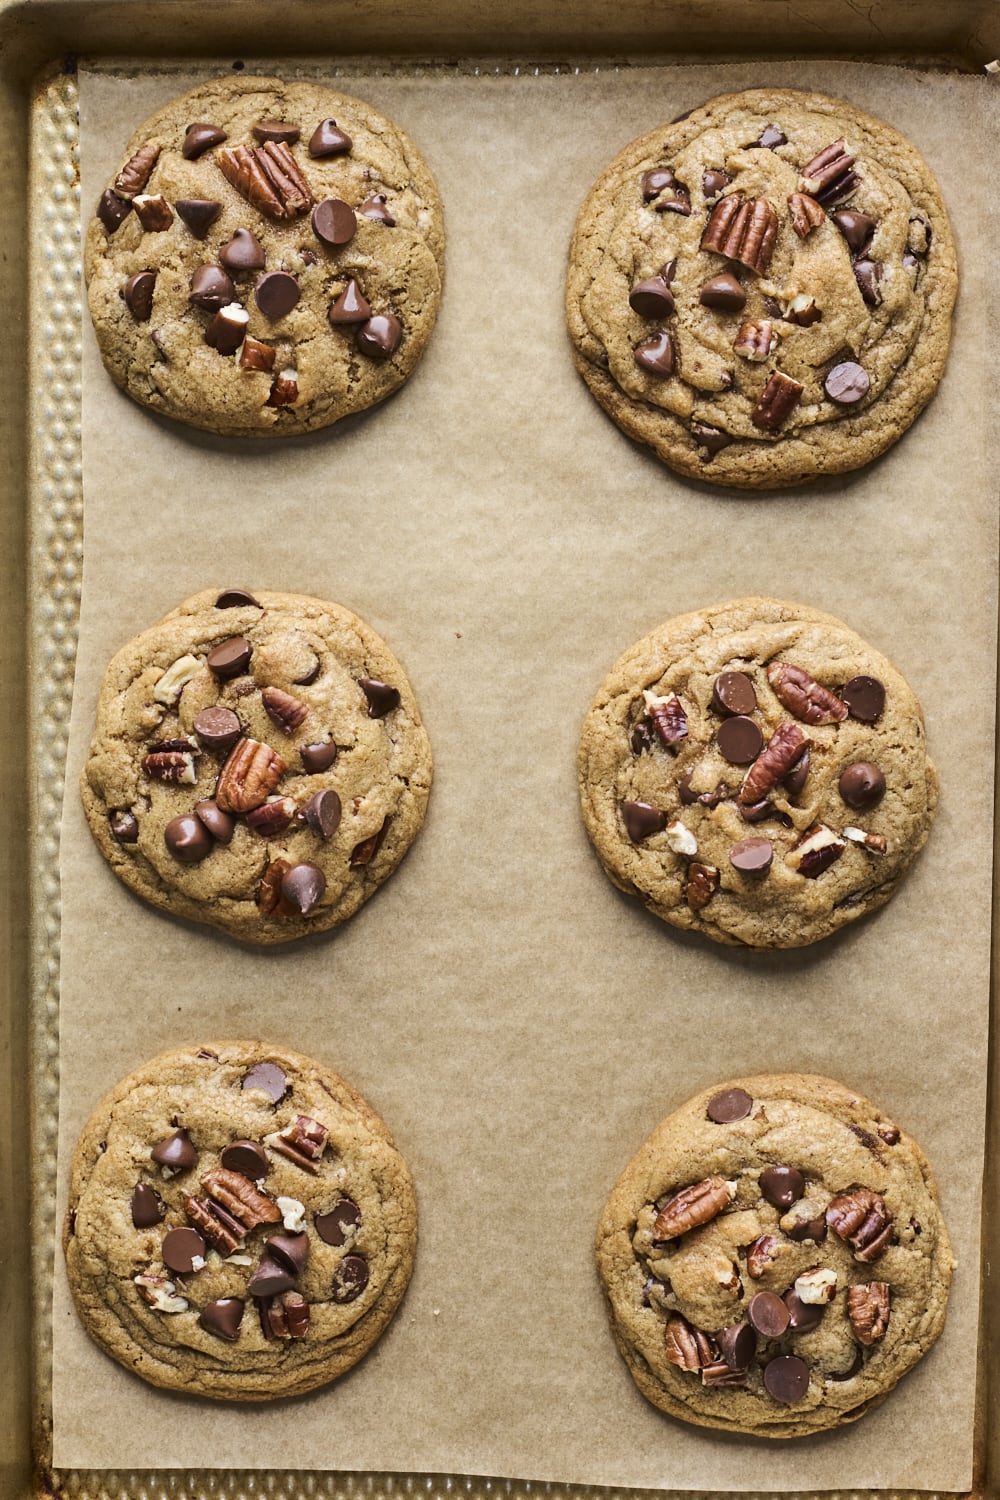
{"x":268,"y":1077}
{"x":244,"y":252}
{"x":751,"y":856}
{"x":230,"y":658}
{"x":769,"y":138}
{"x":644,"y":737}
{"x":737,"y":1345}
{"x":740,"y":740}
{"x":328,"y":140}
{"x":221,"y":825}
{"x":113,"y":210}
{"x":211,"y":288}
{"x":138,"y":295}
{"x":782,"y":1186}
{"x":375,"y":208}
{"x":795,"y":780}
{"x":652,"y":298}
{"x":349,"y":1279}
{"x":303,"y":885}
{"x":712,"y":439}
{"x":323,"y":812}
{"x":862,"y":785}
{"x":188,"y":840}
{"x":730,"y":1105}
{"x":125,"y":827}
{"x":236,"y":599}
{"x":379,"y":338}
{"x":336,"y":1224}
{"x":200,"y":137}
{"x":199,"y":214}
{"x":222,"y":1317}
{"x":802,"y":1316}
{"x":808,"y":1229}
{"x":865,"y":698}
{"x":334,"y":221}
{"x":318,"y":757}
{"x":217,"y":728}
{"x":868,"y":275}
{"x":733,"y":693}
{"x":270,"y":1278}
{"x":181,"y":1248}
{"x":642,"y":820}
{"x":768,"y":1314}
{"x":713,"y":181}
{"x":276,"y":130}
{"x":847,"y":383}
{"x":176,"y":1151}
{"x":724,"y":292}
{"x":276,"y":293}
{"x":148,"y":1208}
{"x":350,"y":307}
{"x":656,"y":355}
{"x":786,"y":1378}
{"x":382,"y":699}
{"x":292,"y":1250}
{"x":856,"y":228}
{"x":246,"y":1157}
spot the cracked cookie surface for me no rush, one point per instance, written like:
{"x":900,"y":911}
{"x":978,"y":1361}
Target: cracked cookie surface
{"x":756,"y":772}
{"x":240,"y":1224}
{"x":296,"y":228}
{"x":258,"y":764}
{"x":774,"y":1257}
{"x":762,"y":290}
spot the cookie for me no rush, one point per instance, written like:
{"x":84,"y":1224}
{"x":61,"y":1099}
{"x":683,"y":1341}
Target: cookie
{"x":774,"y":1258}
{"x":267,"y":259}
{"x":756,"y":772}
{"x":761,"y":291}
{"x":258,"y":764}
{"x":240,"y":1224}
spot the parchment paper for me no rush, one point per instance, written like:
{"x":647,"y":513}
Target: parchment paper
{"x":519,"y":1024}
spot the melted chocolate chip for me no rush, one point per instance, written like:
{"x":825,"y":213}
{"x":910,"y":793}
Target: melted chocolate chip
{"x":723,"y":292}
{"x":276,"y":130}
{"x":236,"y":599}
{"x":199,"y":214}
{"x":246,"y":1157}
{"x":847,"y":383}
{"x":865,"y":698}
{"x":768,"y":1314}
{"x":244,"y":252}
{"x":786,"y":1379}
{"x":221,"y":825}
{"x":857,"y":228}
{"x":291,"y":1250}
{"x":217,"y":728}
{"x":329,"y":140}
{"x":652,"y":298}
{"x":349,"y":1279}
{"x":334,"y":1226}
{"x":656,"y":355}
{"x":802,"y":1316}
{"x":181,"y":1248}
{"x":270,"y":1278}
{"x":211,"y":288}
{"x":268,"y":1077}
{"x":125,"y":827}
{"x":222,"y":1317}
{"x":737,"y":1345}
{"x":303,"y":886}
{"x":230,"y":658}
{"x":188,"y":840}
{"x":375,"y":208}
{"x":199,"y":138}
{"x":320,"y":757}
{"x":276,"y":293}
{"x":782,"y":1186}
{"x":137,"y":294}
{"x":350,"y":307}
{"x":642,"y":820}
{"x":740,"y":740}
{"x":380,"y":337}
{"x":176,"y":1151}
{"x":382,"y":698}
{"x":728,"y":1106}
{"x":323,"y":813}
{"x":751,"y":856}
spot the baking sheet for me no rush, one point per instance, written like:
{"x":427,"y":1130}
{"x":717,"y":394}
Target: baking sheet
{"x":519,"y":1024}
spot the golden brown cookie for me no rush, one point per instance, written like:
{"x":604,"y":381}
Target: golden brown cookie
{"x":774,"y":1257}
{"x":762,"y":290}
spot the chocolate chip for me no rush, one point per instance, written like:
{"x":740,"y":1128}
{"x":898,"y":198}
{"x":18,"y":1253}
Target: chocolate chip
{"x":713,"y":181}
{"x":323,"y":813}
{"x":730,"y":1105}
{"x":148,"y":1208}
{"x":211,"y":288}
{"x":349,"y":1279}
{"x":176,"y":1151}
{"x":781,"y":1186}
{"x":276,"y":293}
{"x":125,"y":827}
{"x":246,"y":1157}
{"x":379,"y":337}
{"x":808,"y":1229}
{"x":318,"y":757}
{"x":710,"y":438}
{"x":200,"y":137}
{"x":656,"y":354}
{"x":740,"y":740}
{"x":334,"y":1226}
{"x":769,"y":138}
{"x":856,"y":228}
{"x":268,"y":1077}
{"x":687,"y":795}
{"x":651,"y":298}
{"x":382,"y":699}
{"x":221,"y":825}
{"x":862,"y":785}
{"x":236,"y":599}
{"x":334,"y":221}
{"x":218,"y":728}
{"x":291,"y":1250}
{"x":642,"y":820}
{"x":375,"y":208}
{"x":653,"y":183}
{"x":222,"y":1317}
{"x":733,"y":693}
{"x":768,"y":1314}
{"x":852,"y":1370}
{"x":890,"y":1134}
{"x":751,"y":856}
{"x":230,"y":658}
{"x":350,"y":307}
{"x":276,"y":130}
{"x":188,"y":840}
{"x":911,"y":262}
{"x":865,"y":698}
{"x":644,"y":737}
{"x":270,"y":1278}
{"x":723,"y":291}
{"x":786,"y":1378}
{"x":802,"y":1316}
{"x":757,"y":812}
{"x":181,"y":1248}
{"x":138,"y":295}
{"x":847,"y":383}
{"x":868,"y":275}
{"x":796,"y":777}
{"x":737,"y":1345}
{"x":199,"y":214}
{"x":303,"y":885}
{"x":244,"y":252}
{"x":328,"y":140}
{"x":112,"y":210}
{"x":772,"y":307}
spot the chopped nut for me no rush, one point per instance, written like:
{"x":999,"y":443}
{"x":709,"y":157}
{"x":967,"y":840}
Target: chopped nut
{"x":277,"y":814}
{"x":828,"y":177}
{"x":807,"y":214}
{"x":285,"y":1316}
{"x":816,"y":852}
{"x":256,"y":356}
{"x":159,"y":1292}
{"x":862,"y":1218}
{"x":268,"y":177}
{"x":364,"y":852}
{"x":240,"y":1197}
{"x":773,"y":763}
{"x":227,"y":329}
{"x":868,"y":1310}
{"x":668,"y":716}
{"x":270,"y":898}
{"x":137,"y":170}
{"x":776,"y":402}
{"x":681,"y":839}
{"x":284,"y":389}
{"x":693,"y":1206}
{"x":153,"y":212}
{"x":754,"y":340}
{"x":293,"y":1214}
{"x":249,"y":775}
{"x":874,"y":841}
{"x":703,"y":882}
{"x":287,"y":712}
{"x":171,"y":765}
{"x":761,"y":1255}
{"x":802,"y":310}
{"x":303,"y":1142}
{"x":805,"y":1220}
{"x":175,"y":679}
{"x":816,"y":1286}
{"x":803,"y":696}
{"x":219,"y":1235}
{"x":742,"y":231}
{"x":687,"y":1347}
{"x":719,"y":1373}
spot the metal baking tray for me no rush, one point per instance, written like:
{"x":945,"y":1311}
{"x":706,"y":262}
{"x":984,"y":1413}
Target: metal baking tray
{"x":42,"y":521}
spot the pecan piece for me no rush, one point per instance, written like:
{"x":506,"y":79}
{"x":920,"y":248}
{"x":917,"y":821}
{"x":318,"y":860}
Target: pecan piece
{"x":868,"y":1310}
{"x":249,"y":775}
{"x":287,"y":712}
{"x":159,"y":1292}
{"x":754,"y":340}
{"x":719,"y":1373}
{"x":267,"y":177}
{"x":256,"y":356}
{"x":807,"y":214}
{"x":241,"y":1198}
{"x":693,"y":1206}
{"x":802,"y":311}
{"x":817,"y":851}
{"x":702,"y":884}
{"x":687,"y":1347}
{"x":270,"y":898}
{"x":861,"y":1217}
{"x":803,"y":696}
{"x":303,"y":1142}
{"x":365,"y":852}
{"x":274,"y":817}
{"x":219,"y":1235}
{"x":284,"y":388}
{"x":668,"y":716}
{"x":171,"y":765}
{"x":761,"y":1255}
{"x":284,"y":1317}
{"x":776,"y":402}
{"x":773,"y":763}
{"x":828,"y":177}
{"x":136,"y":172}
{"x":874,"y":841}
{"x":742,"y":231}
{"x":153,"y":211}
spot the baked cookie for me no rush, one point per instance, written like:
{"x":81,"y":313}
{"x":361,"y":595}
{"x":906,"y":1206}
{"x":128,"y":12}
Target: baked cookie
{"x":258,"y":764}
{"x":756,"y":772}
{"x":762,"y":290}
{"x":240,"y":1224}
{"x":774,"y":1258}
{"x":267,"y":259}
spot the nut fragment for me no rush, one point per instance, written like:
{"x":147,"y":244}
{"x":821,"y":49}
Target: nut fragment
{"x":153,"y":211}
{"x":817,"y":851}
{"x":861,"y":1217}
{"x":761,"y":1255}
{"x":668,"y":716}
{"x":703,"y":882}
{"x":285,"y":1316}
{"x":681,"y":839}
{"x":171,"y":765}
{"x":687,"y":1347}
{"x":776,"y":402}
{"x":868,"y":1310}
{"x":742,"y":231}
{"x":293,"y":1214}
{"x":219,"y":1235}
{"x":773,"y":763}
{"x":754,"y":340}
{"x":240,"y":1197}
{"x":364,"y":852}
{"x":303,"y":1142}
{"x":256,"y":356}
{"x":803,"y":696}
{"x":807,"y":214}
{"x":287,"y":712}
{"x":250,"y":774}
{"x":816,"y":1286}
{"x":719,"y":1373}
{"x":137,"y":170}
{"x":693,"y":1206}
{"x":273,"y":817}
{"x":875,"y":841}
{"x":227,"y":329}
{"x":270,"y":899}
{"x":175,"y":679}
{"x":159,"y":1292}
{"x":828,"y":177}
{"x":268,"y":177}
{"x":802,"y":311}
{"x":284,"y":388}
